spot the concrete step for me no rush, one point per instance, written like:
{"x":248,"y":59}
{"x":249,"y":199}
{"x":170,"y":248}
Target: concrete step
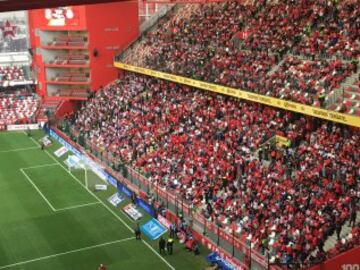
{"x":332,"y":240}
{"x":276,"y":67}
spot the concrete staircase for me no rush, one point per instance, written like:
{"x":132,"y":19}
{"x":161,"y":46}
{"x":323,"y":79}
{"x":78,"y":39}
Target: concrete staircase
{"x":332,"y":240}
{"x":351,"y":80}
{"x":48,"y":106}
{"x":276,"y":67}
{"x":348,"y":93}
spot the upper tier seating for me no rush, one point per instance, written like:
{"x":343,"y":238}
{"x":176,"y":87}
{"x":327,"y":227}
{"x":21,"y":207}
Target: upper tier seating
{"x":250,"y":45}
{"x":11,"y":73}
{"x":18,"y":107}
{"x":337,"y":34}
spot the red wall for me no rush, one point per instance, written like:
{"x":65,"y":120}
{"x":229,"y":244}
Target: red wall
{"x":76,"y":22}
{"x":67,"y":107}
{"x":37,"y":64}
{"x":351,"y":257}
{"x":111,"y":28}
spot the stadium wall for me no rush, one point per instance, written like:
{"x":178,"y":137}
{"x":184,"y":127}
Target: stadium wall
{"x":109,"y":33}
{"x":349,"y":260}
{"x":66,"y":107}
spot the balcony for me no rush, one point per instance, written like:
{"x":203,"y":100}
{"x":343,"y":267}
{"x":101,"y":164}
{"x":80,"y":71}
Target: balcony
{"x":69,"y":61}
{"x":70,"y":78}
{"x":67,"y":42}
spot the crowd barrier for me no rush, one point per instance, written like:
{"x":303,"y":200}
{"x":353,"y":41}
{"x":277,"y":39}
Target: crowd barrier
{"x":342,"y":118}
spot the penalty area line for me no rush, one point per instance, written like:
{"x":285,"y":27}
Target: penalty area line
{"x":38,"y":190}
{"x":40,"y":166}
{"x":77,"y":206}
{"x":107,"y":207}
{"x":19,"y":149}
{"x":67,"y":252}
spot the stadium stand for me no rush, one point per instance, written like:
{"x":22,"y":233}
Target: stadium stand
{"x":18,"y":108}
{"x":337,"y":32}
{"x":214,"y":152}
{"x":249,"y":45}
{"x":11,"y":74}
{"x":303,"y":80}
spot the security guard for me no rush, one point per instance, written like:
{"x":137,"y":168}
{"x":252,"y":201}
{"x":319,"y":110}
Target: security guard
{"x":137,"y":232}
{"x":162,"y":245}
{"x":169,"y":245}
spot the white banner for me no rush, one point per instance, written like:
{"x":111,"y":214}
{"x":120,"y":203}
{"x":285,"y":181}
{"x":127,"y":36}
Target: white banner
{"x":22,"y":127}
{"x":131,"y":210}
{"x":45,"y":140}
{"x":72,"y":161}
{"x":115,"y":199}
{"x":61,"y":151}
{"x":100,"y":187}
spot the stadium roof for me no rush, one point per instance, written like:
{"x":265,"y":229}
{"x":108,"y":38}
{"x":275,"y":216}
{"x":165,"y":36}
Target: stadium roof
{"x":13,"y":5}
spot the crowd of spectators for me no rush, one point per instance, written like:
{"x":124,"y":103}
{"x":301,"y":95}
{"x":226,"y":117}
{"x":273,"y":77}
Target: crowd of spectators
{"x":202,"y":147}
{"x":11,"y":74}
{"x":18,"y":107}
{"x":304,"y":80}
{"x":241,"y":44}
{"x":278,"y":26}
{"x":337,"y":34}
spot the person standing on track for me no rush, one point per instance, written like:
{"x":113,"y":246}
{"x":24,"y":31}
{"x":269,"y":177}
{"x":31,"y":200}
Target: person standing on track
{"x":169,"y":245}
{"x":162,"y":243}
{"x":137,"y":232}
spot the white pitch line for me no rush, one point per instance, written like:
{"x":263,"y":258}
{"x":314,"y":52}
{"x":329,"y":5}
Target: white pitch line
{"x":108,"y":208}
{"x":77,"y":206}
{"x":38,"y":190}
{"x":11,"y":132}
{"x":67,"y":252}
{"x":40,"y":166}
{"x":19,"y":149}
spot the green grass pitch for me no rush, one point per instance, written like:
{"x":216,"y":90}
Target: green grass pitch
{"x":50,"y":220}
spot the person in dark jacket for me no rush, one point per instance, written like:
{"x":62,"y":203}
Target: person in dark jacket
{"x":162,"y":243}
{"x":137,"y":232}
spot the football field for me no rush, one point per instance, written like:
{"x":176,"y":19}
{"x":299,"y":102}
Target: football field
{"x":49,"y":219}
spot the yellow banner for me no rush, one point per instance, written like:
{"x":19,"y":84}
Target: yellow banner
{"x":282,"y":141}
{"x":346,"y":119}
